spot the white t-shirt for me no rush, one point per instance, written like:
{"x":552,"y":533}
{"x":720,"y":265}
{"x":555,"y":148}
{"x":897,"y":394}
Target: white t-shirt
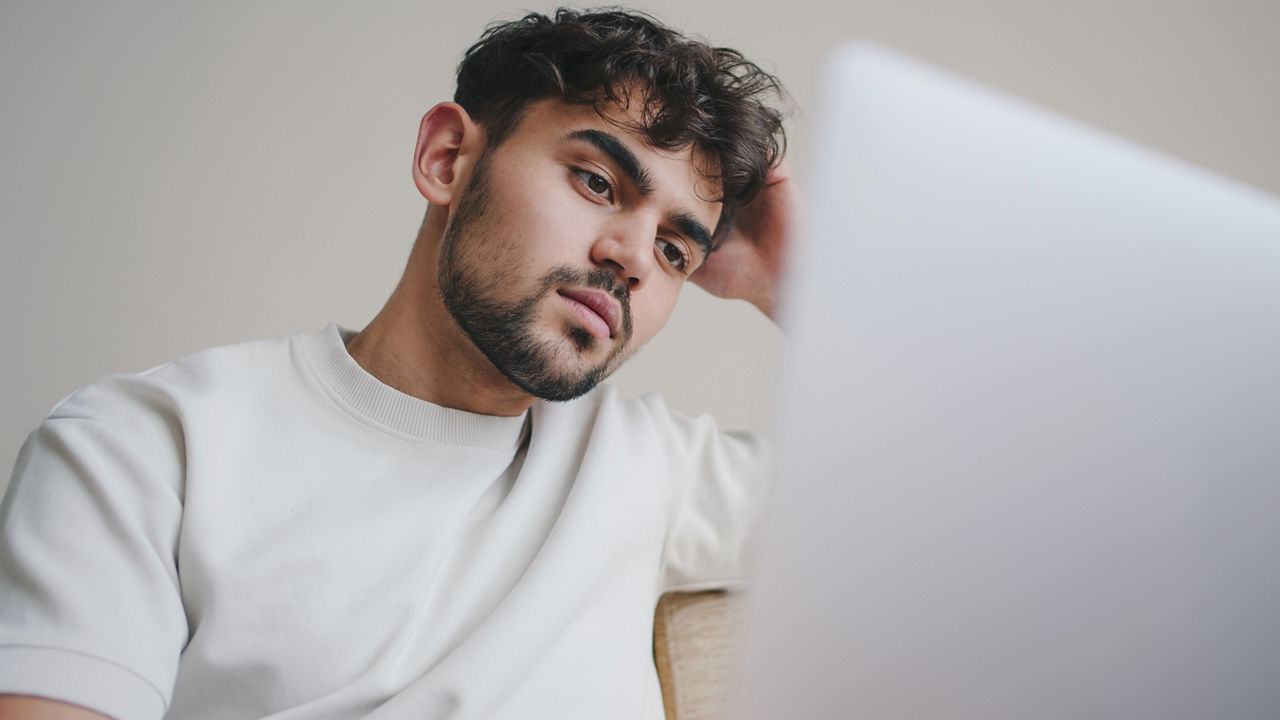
{"x":268,"y":530}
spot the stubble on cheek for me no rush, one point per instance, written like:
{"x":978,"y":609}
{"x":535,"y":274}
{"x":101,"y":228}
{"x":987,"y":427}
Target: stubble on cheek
{"x":510,"y":316}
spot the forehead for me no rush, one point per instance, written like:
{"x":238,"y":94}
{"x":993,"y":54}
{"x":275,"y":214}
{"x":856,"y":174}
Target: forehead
{"x":551,"y":123}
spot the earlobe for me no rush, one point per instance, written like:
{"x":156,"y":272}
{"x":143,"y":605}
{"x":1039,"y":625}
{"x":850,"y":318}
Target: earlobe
{"x":448,"y":142}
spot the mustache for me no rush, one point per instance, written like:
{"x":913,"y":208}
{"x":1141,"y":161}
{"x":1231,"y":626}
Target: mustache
{"x":598,"y":278}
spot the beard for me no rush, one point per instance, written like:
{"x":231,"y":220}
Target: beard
{"x":473,"y":288}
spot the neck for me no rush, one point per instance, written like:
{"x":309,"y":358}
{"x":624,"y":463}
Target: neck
{"x":414,"y":345}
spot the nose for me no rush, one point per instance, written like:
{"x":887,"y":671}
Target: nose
{"x":626,"y":248}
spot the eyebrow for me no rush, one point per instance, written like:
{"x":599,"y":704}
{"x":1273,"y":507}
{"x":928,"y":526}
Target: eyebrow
{"x":626,"y":160}
{"x":636,"y":172}
{"x":693,"y":229}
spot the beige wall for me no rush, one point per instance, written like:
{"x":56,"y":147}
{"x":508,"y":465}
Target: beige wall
{"x":180,"y":175}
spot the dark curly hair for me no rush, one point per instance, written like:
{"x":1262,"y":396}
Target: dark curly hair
{"x":689,"y":93}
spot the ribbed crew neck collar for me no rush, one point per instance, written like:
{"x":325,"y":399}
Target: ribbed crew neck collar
{"x":369,"y":398}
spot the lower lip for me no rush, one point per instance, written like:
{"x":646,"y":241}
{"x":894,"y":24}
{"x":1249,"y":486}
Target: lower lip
{"x":589,"y":319}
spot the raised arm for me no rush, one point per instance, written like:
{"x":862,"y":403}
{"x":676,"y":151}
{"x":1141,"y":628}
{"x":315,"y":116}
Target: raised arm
{"x":748,"y":263}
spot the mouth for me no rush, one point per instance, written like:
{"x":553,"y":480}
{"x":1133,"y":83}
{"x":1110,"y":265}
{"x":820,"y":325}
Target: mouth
{"x":597,"y":311}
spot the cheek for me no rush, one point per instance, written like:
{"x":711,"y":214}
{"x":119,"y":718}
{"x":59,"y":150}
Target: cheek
{"x":650,"y":317}
{"x":517,"y":231}
{"x":547,"y":219}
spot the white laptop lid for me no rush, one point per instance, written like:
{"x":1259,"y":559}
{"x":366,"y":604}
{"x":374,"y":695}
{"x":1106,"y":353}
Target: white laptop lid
{"x":1029,"y":442}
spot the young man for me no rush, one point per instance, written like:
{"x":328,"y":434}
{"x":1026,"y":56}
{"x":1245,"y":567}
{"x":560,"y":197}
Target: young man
{"x":437,"y":516}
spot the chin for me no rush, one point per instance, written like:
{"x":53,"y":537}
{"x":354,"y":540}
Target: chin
{"x":554,"y":370}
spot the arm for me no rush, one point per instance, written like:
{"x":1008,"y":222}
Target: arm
{"x":747,"y":265}
{"x":717,"y":479}
{"x":25,"y":707}
{"x":90,"y":605}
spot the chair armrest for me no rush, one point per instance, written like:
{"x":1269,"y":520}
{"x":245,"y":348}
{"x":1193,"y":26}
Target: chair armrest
{"x":694,"y":648}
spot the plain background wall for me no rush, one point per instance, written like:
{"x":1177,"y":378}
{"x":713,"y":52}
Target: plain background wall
{"x":182,"y":175}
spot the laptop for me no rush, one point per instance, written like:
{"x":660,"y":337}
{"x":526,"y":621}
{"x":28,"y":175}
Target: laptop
{"x":1029,"y":430}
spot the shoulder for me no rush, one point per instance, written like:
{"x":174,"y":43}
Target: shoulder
{"x":162,"y":390}
{"x":605,"y":408}
{"x":135,"y":433}
{"x":645,"y":424}
{"x":148,"y":414}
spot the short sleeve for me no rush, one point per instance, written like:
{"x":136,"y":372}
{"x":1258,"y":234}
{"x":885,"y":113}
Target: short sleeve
{"x":90,"y":607}
{"x":719,"y":478}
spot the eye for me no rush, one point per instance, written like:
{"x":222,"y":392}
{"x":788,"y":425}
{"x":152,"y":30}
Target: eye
{"x":674,"y":254}
{"x":594,"y":184}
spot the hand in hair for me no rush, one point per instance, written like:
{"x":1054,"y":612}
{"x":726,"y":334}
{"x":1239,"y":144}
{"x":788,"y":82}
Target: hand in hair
{"x":747,"y":264}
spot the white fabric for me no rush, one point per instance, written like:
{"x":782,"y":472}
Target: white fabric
{"x":267,"y":530}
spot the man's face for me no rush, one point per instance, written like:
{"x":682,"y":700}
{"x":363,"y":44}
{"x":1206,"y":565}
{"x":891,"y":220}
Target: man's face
{"x":568,"y":248}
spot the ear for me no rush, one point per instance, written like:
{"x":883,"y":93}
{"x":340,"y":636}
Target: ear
{"x":449,"y":143}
